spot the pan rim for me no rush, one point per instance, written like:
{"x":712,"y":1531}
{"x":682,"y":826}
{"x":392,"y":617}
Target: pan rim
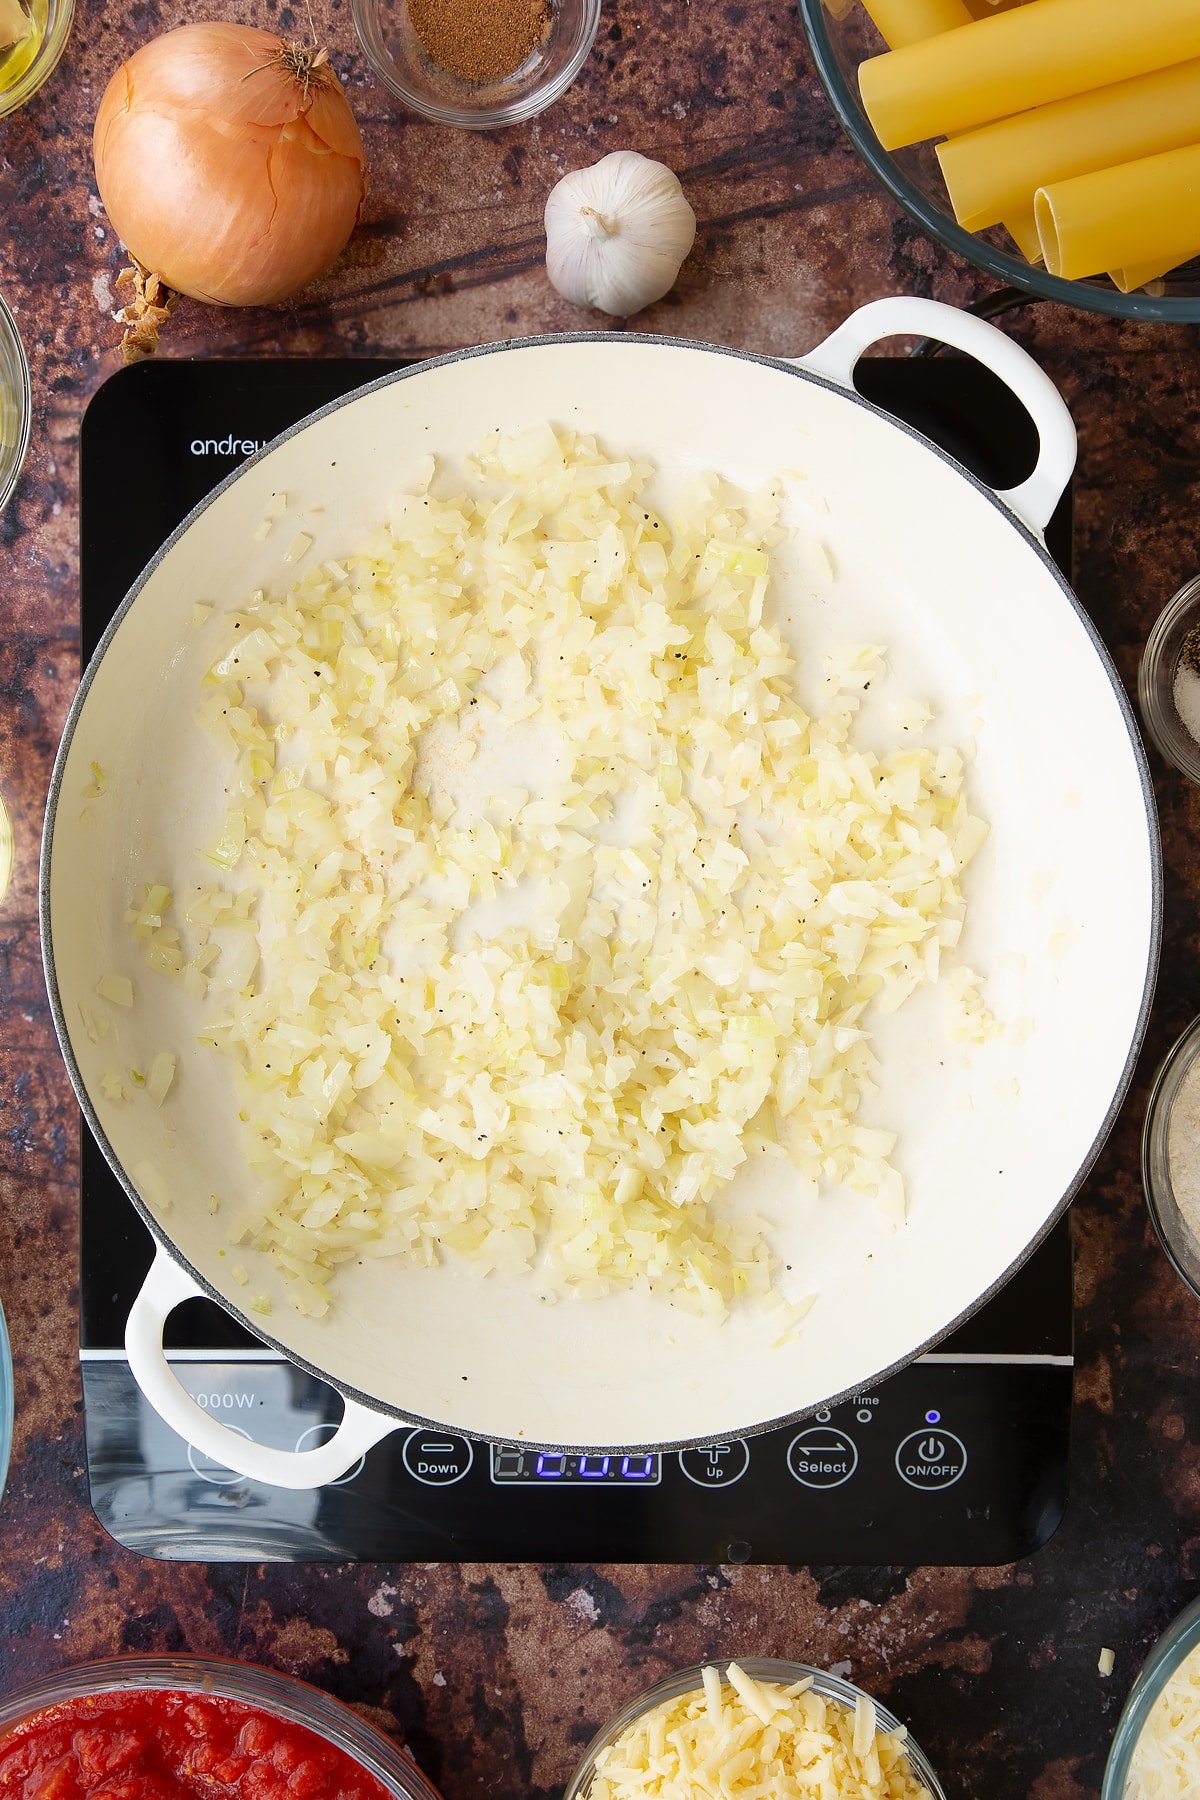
{"x":780,"y":365}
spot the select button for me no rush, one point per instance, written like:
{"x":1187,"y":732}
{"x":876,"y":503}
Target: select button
{"x":436,"y":1458}
{"x":930,"y":1460}
{"x":822,"y":1457}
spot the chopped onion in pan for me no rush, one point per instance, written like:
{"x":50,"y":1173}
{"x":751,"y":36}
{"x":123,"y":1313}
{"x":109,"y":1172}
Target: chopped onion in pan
{"x":539,"y":903}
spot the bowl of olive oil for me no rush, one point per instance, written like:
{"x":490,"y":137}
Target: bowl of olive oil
{"x":33,"y":35}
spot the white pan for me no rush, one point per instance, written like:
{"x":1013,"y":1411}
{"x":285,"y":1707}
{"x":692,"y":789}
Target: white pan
{"x":1063,"y":901}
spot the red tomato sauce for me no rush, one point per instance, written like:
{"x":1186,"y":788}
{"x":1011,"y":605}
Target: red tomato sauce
{"x":162,"y":1744}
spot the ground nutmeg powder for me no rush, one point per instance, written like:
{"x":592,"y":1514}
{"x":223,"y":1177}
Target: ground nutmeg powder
{"x":481,"y":40}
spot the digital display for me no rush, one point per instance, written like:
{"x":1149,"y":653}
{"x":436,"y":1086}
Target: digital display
{"x":560,"y":1468}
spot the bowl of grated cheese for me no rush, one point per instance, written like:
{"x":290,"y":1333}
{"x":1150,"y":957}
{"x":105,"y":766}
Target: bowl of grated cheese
{"x":1155,"y":1752}
{"x":758,"y":1726}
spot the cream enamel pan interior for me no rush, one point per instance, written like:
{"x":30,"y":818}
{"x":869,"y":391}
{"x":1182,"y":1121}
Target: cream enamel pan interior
{"x":1063,"y":922}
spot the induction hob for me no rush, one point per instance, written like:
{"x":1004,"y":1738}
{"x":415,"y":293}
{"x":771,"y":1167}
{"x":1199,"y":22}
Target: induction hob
{"x":961,"y":1458}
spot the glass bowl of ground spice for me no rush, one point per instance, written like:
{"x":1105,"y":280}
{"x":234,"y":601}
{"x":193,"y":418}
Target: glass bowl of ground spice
{"x":477,"y":63}
{"x":1169,"y":681}
{"x":1171,"y":1155}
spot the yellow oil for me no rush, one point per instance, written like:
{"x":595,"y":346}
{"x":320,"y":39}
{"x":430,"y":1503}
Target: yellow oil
{"x":17,"y":58}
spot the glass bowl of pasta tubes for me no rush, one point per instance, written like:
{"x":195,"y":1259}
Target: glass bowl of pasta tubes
{"x":1053,"y":143}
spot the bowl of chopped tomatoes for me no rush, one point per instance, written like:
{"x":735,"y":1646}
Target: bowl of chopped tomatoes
{"x":185,"y":1728}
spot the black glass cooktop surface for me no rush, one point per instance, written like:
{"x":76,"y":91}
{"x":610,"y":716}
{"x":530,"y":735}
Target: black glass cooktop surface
{"x":963,"y":1457}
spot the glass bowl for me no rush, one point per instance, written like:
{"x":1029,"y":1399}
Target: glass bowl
{"x":760,"y":1668}
{"x":386,"y":32}
{"x":281,"y":1695}
{"x":1181,"y":1244}
{"x":1156,"y":679}
{"x":54,"y":18}
{"x":16,"y":404}
{"x":913,"y":177}
{"x":1176,"y":1642}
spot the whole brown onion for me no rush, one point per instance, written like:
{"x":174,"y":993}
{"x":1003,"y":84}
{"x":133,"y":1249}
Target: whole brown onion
{"x":229,"y":162}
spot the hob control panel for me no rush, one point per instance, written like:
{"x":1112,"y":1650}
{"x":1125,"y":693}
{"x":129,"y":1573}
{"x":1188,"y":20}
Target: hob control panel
{"x":946,"y":1462}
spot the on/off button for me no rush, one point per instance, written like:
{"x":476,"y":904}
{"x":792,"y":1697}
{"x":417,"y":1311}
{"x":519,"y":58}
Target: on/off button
{"x":930,"y":1460}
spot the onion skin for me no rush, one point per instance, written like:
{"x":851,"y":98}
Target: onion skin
{"x":223,"y":170}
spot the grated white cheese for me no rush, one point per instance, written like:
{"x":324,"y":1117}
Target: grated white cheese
{"x":1166,"y":1758}
{"x":755,"y":1740}
{"x":544,"y":904}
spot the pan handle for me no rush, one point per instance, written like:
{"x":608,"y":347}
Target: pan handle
{"x":165,"y":1288}
{"x":905,"y":316}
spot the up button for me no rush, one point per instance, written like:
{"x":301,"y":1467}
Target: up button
{"x":931,"y":1459}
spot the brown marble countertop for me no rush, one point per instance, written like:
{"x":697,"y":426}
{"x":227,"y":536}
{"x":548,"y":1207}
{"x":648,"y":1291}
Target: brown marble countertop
{"x":495,"y":1675}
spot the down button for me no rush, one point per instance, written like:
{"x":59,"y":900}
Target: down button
{"x":437,"y":1458}
{"x":931,"y":1459}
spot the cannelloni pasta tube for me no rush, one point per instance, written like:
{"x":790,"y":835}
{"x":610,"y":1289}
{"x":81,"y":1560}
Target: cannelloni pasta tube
{"x":1027,"y":57}
{"x":993,"y":171}
{"x":1139,"y":213}
{"x":901,"y":22}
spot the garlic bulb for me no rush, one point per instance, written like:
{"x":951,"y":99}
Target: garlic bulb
{"x":617,"y":233}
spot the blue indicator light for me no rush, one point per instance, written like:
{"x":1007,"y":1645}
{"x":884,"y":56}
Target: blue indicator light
{"x":630,"y":1470}
{"x":933,"y":1417}
{"x":547,"y":1471}
{"x":594,"y":1474}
